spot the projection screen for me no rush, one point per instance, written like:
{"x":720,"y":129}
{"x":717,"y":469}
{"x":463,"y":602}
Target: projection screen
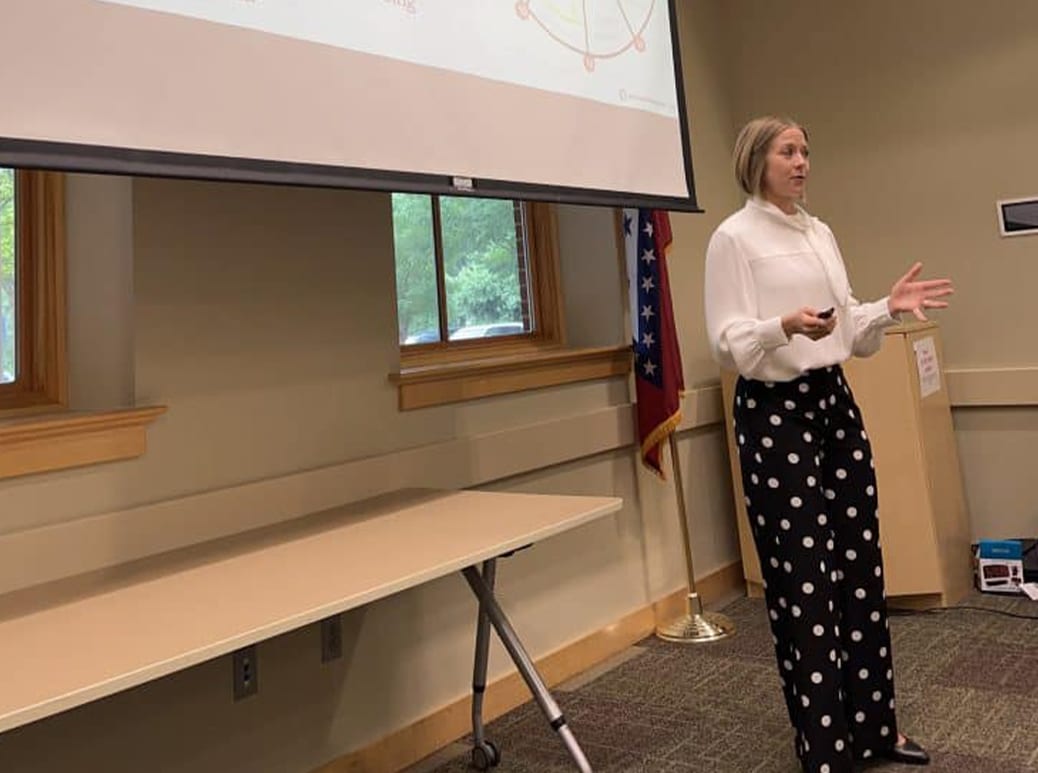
{"x":566,"y":100}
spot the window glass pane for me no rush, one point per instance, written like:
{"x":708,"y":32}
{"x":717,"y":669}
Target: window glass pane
{"x":484,"y":262}
{"x":416,"y":301}
{"x":8,"y":297}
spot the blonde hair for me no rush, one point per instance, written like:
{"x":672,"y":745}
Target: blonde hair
{"x":751,"y":149}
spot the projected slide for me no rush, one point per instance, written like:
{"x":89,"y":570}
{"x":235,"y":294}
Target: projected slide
{"x":567,"y":100}
{"x":610,"y":51}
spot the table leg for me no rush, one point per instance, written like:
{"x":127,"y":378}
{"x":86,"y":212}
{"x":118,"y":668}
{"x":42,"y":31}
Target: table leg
{"x":492,"y":610}
{"x":484,"y":752}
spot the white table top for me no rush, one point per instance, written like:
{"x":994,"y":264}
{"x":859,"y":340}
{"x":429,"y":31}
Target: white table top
{"x":76,"y":640}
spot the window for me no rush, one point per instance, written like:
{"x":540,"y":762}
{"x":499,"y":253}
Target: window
{"x":32,"y":290}
{"x":471,"y":272}
{"x":8,"y":297}
{"x":479,"y":301}
{"x":33,"y":368}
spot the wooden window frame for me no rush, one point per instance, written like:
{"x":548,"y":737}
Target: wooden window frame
{"x":37,"y":431}
{"x":453,"y":371}
{"x":541,"y":238}
{"x":41,"y":381}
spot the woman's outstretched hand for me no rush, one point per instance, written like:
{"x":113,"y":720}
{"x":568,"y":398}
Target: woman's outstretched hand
{"x":806,"y":322}
{"x":909,"y":295}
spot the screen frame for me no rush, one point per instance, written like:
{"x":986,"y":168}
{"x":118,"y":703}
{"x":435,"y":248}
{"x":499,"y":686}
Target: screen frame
{"x":76,"y":157}
{"x":1001,"y":208}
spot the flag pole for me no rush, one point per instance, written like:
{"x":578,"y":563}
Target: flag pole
{"x":695,"y":626}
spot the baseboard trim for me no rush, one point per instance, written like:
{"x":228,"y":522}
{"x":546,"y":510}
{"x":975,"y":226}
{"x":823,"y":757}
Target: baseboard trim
{"x":916,"y":601}
{"x":716,"y":586}
{"x":416,"y":741}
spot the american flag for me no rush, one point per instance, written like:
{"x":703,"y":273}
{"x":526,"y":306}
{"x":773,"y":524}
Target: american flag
{"x":658,"y":377}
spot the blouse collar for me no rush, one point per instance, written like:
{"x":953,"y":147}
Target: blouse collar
{"x":800,"y":220}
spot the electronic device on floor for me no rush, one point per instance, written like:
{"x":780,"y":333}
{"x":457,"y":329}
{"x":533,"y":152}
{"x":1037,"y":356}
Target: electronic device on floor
{"x":1002,"y":566}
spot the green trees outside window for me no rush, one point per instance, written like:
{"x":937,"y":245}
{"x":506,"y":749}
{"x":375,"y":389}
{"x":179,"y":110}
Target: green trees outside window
{"x":461,"y":268}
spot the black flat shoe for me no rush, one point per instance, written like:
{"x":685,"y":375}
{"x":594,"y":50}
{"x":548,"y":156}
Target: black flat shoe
{"x":908,"y":753}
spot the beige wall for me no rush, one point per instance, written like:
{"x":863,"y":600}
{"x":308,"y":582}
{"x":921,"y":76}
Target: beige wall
{"x":918,"y":125}
{"x":99,"y":223}
{"x":264,"y":318}
{"x":920,"y":119}
{"x":707,"y":72}
{"x":996,"y":453}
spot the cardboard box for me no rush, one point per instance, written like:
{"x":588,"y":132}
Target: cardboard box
{"x":999,"y":566}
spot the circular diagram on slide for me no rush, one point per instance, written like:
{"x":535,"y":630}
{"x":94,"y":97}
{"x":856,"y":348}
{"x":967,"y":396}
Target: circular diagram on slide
{"x":595,"y":29}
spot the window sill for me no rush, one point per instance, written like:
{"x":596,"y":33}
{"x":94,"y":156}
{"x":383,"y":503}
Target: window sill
{"x":58,"y":441}
{"x":426,"y":385}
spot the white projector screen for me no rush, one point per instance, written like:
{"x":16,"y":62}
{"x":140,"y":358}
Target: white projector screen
{"x":567,"y":100}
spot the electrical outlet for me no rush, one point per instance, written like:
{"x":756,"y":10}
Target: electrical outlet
{"x":331,"y":638}
{"x":246,"y":672}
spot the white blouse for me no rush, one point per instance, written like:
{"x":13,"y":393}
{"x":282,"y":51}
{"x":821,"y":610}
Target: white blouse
{"x":762,"y":264}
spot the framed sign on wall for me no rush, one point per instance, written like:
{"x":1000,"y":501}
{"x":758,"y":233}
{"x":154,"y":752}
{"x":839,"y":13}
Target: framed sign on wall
{"x":1017,"y":217}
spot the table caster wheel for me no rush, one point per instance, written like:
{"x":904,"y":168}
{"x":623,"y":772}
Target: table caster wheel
{"x":485,"y":756}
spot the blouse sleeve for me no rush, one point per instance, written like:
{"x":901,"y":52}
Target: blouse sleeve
{"x":870,"y":320}
{"x":738,"y":339}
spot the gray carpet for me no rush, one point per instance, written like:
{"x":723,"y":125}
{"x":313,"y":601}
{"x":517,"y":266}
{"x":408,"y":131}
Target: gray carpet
{"x":967,"y":687}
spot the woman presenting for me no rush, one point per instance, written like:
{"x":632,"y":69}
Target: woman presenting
{"x":779,"y":310}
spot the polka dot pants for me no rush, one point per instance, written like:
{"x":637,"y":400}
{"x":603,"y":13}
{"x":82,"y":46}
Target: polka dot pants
{"x":811,"y":499}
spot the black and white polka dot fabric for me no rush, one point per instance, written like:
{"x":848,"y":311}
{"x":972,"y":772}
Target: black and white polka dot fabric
{"x":810,"y":493}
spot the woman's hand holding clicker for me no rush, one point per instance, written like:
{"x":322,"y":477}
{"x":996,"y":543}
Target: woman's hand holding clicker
{"x":907,"y":294}
{"x":806,"y":322}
